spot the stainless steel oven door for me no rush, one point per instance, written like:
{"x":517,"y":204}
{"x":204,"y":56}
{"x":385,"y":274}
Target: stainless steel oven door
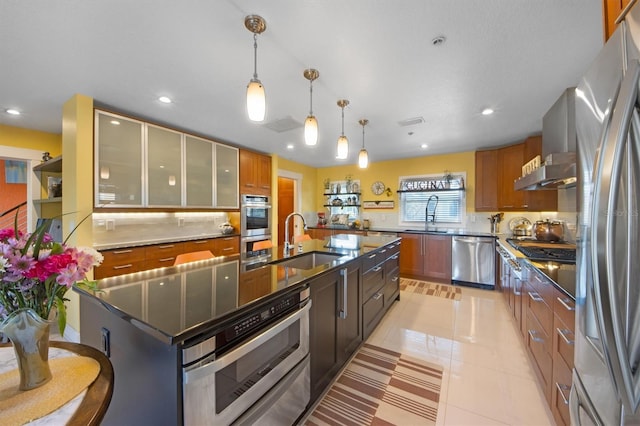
{"x":255,"y":215}
{"x":220,"y":391}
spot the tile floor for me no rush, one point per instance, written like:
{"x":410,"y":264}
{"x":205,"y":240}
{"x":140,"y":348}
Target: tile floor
{"x":487,"y":376}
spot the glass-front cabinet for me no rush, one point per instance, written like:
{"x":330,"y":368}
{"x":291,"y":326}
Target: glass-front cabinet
{"x":199,"y":172}
{"x":138,"y":164}
{"x":119,"y":161}
{"x":164,"y":167}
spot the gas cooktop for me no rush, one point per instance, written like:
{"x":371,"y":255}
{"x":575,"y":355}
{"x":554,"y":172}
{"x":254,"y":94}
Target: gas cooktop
{"x":533,"y":250}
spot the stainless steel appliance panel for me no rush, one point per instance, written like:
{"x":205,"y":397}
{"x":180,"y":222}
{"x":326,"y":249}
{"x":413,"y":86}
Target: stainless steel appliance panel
{"x":473,"y":260}
{"x":255,"y":215}
{"x":606,"y":381}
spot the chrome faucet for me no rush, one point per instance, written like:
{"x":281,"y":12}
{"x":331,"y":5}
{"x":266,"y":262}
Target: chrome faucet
{"x":288,"y":245}
{"x":432,"y":199}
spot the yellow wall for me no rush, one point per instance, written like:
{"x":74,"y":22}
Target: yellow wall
{"x":389,"y":172}
{"x":31,"y":139}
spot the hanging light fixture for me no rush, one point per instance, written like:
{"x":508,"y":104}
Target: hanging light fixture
{"x":343,"y":142}
{"x":311,"y":124}
{"x":255,"y":91}
{"x":363,"y":158}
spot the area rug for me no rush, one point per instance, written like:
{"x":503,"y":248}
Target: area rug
{"x":431,"y":289}
{"x":381,"y":387}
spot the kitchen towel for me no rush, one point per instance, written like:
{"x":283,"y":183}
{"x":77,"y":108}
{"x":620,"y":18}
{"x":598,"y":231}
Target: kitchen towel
{"x":380,"y":386}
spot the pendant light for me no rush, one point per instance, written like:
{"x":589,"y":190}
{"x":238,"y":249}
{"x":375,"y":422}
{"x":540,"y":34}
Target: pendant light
{"x":311,"y":124}
{"x":256,"y":104}
{"x":343,"y":142}
{"x":363,"y":158}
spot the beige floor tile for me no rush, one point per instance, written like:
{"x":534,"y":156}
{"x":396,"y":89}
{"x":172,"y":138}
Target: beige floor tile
{"x":455,"y":416}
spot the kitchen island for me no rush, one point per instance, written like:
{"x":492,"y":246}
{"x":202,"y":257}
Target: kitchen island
{"x":149,"y":322}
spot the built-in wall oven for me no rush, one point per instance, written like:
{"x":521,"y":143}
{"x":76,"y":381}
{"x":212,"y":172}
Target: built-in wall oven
{"x":255,"y":215}
{"x":255,"y":371}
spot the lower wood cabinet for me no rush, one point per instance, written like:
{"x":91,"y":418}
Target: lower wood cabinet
{"x":128,"y":260}
{"x":563,"y":350}
{"x":426,"y":256}
{"x":335,"y":323}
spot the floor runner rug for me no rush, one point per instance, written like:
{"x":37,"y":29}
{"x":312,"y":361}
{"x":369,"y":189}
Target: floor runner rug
{"x":431,"y":289}
{"x":381,"y":387}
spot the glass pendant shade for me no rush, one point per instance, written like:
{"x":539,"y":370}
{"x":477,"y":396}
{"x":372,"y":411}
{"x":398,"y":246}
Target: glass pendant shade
{"x":363,"y":159}
{"x":311,"y":130}
{"x":256,"y":104}
{"x":343,"y":148}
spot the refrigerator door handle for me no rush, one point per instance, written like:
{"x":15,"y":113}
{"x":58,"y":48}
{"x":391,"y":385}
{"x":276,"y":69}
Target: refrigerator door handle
{"x":608,"y":172}
{"x":580,"y":407}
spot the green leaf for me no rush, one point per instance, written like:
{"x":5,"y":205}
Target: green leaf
{"x":62,"y":315}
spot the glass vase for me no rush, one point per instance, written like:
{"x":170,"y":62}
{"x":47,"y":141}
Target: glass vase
{"x":29,"y":334}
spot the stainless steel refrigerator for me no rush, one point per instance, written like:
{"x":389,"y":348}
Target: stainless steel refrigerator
{"x":606,"y":377}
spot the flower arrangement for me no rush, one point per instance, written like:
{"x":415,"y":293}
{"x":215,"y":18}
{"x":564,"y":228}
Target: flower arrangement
{"x":36,"y":272}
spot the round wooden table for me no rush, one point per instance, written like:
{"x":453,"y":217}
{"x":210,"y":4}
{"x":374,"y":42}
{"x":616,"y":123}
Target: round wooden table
{"x":98,"y":396}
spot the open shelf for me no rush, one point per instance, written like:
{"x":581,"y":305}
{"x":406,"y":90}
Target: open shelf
{"x":48,"y":200}
{"x":52,"y":166}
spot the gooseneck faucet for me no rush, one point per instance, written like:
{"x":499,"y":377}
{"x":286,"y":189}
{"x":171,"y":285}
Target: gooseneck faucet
{"x":288,"y":245}
{"x":432,"y":200}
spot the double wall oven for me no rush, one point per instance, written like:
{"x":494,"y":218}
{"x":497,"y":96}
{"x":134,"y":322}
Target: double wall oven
{"x":255,"y":224}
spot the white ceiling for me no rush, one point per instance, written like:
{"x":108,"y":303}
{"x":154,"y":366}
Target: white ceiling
{"x":515,"y":56}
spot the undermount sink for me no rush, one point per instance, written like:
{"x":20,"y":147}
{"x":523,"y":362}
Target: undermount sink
{"x":308,"y":260}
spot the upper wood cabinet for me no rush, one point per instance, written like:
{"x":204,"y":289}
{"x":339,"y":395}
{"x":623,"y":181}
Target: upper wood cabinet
{"x":496,"y":171}
{"x":139,"y":164}
{"x":486,"y":180}
{"x":611,"y":9}
{"x":255,"y":173}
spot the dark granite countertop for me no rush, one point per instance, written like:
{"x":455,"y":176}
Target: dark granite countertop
{"x":416,"y":230}
{"x":177,"y":303}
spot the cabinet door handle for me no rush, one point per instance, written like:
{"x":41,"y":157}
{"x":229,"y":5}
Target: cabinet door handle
{"x":166,"y":259}
{"x":561,"y":390}
{"x":166,"y":246}
{"x":564,"y":303}
{"x":343,"y":309}
{"x":201,"y":242}
{"x":563,"y":333}
{"x":377,"y":268}
{"x":535,"y":297}
{"x":227,"y":249}
{"x":532,"y":334}
{"x":394,"y":257}
{"x":128,"y":265}
{"x":249,"y":184}
{"x":371,"y":256}
{"x":122,"y":251}
{"x":394,"y":279}
{"x":377,"y":296}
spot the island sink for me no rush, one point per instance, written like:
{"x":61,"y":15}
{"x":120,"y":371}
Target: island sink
{"x":308,"y":260}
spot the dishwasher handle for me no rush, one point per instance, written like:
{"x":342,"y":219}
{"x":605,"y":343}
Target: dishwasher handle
{"x":473,"y":240}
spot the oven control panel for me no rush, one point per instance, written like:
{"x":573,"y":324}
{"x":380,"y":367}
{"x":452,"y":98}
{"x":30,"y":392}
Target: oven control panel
{"x":250,"y":322}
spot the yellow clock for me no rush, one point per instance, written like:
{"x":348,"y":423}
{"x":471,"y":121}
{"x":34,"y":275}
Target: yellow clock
{"x":378,"y":187}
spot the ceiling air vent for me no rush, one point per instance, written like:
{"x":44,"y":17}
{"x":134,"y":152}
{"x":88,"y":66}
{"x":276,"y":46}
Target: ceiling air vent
{"x":411,"y":121}
{"x":283,"y":125}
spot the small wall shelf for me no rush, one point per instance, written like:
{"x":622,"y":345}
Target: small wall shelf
{"x":48,"y":200}
{"x":52,"y":166}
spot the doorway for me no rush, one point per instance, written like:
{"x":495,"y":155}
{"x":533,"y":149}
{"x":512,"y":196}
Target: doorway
{"x":31,"y":158}
{"x":289,"y":200}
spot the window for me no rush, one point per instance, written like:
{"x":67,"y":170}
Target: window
{"x":443,"y":201}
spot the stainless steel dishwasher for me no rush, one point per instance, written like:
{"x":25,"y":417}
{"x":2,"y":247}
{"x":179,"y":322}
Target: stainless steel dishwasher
{"x":473,"y":261}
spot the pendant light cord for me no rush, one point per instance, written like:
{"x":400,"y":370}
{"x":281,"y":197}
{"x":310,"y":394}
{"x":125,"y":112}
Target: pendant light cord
{"x":363,"y":136}
{"x":310,"y":97}
{"x":342,"y":121}
{"x":255,"y":56}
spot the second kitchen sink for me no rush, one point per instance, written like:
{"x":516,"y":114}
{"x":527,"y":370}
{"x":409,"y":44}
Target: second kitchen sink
{"x":308,"y":260}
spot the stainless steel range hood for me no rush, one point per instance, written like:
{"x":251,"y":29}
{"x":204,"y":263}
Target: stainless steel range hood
{"x":558,"y":168}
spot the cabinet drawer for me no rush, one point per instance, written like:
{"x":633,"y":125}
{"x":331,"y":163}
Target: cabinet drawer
{"x":199,"y":245}
{"x":542,"y":286}
{"x":372,"y":312}
{"x":372,"y":281}
{"x":227,"y":246}
{"x":163,"y":262}
{"x":371,"y":259}
{"x":539,"y":347}
{"x":393,"y":261}
{"x":562,"y":381}
{"x":565,"y":308}
{"x":537,"y":306}
{"x":164,"y":251}
{"x":120,"y":262}
{"x":392,"y":286}
{"x":563,"y":342}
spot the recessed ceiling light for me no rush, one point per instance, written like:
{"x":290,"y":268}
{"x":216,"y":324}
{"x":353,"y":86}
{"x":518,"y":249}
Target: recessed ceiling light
{"x":487,"y":111}
{"x":290,"y":146}
{"x":424,"y":146}
{"x":164,"y":99}
{"x":115,"y":122}
{"x":439,"y":40}
{"x":12,"y":111}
